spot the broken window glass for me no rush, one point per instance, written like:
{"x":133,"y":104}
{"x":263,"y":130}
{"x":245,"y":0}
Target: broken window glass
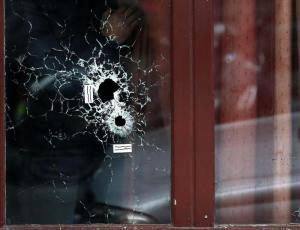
{"x":87,"y":111}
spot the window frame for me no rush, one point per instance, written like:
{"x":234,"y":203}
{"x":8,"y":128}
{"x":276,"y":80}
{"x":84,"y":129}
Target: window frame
{"x":192,"y":94}
{"x":193,"y":183}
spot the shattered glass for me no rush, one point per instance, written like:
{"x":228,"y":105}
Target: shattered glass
{"x":87,"y":111}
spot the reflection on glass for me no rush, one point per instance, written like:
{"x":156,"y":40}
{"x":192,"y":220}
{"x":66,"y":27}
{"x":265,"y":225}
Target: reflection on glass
{"x":257,"y":111}
{"x":87,"y":111}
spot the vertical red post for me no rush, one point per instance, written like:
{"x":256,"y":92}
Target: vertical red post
{"x":183,"y":115}
{"x":237,"y":147}
{"x":204,"y":114}
{"x":282,"y":119}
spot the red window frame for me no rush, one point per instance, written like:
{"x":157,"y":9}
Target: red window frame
{"x":193,"y":191}
{"x":193,"y":114}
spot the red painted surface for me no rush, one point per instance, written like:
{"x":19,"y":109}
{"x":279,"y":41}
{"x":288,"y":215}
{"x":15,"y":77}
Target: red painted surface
{"x":183,"y":116}
{"x":204,"y":205}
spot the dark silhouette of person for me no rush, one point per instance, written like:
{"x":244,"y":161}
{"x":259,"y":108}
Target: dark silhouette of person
{"x":47,"y":178}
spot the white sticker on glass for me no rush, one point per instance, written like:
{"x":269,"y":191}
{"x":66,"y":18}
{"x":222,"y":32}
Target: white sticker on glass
{"x":88,"y":94}
{"x":122,"y":148}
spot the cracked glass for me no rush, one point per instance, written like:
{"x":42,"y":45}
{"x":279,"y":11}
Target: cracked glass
{"x":87,"y":90}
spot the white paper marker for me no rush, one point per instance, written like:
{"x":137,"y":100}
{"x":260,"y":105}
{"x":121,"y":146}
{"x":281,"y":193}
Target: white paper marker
{"x":122,"y":148}
{"x":88,"y":94}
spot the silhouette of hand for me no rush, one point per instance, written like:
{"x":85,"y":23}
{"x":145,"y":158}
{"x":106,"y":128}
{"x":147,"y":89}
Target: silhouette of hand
{"x":120,"y":24}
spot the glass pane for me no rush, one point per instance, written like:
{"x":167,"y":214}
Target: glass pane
{"x":257,"y":111}
{"x":88,"y":111}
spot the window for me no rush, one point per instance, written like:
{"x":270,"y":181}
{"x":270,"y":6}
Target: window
{"x":88,"y":112}
{"x":169,"y":55}
{"x":219,"y":148}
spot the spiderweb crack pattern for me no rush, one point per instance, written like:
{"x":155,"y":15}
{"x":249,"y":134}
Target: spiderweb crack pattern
{"x":55,"y":81}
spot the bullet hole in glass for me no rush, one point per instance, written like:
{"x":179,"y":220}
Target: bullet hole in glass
{"x":106,"y":90}
{"x":120,"y":121}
